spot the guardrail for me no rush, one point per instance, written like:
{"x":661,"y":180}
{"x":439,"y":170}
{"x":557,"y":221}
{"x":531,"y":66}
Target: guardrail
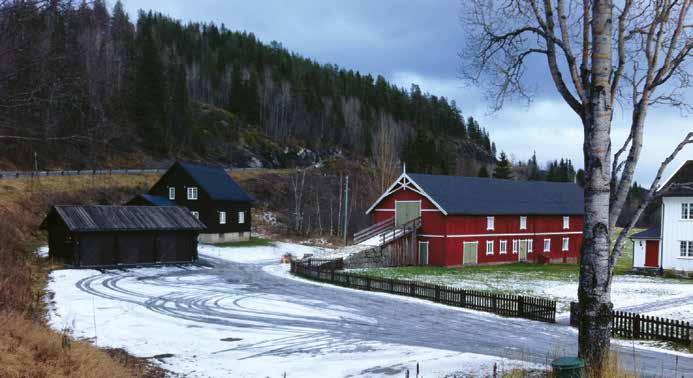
{"x":519,"y":306}
{"x":92,"y":172}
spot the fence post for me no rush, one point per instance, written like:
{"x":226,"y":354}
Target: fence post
{"x":463,"y":298}
{"x":494,"y":298}
{"x":368,"y":283}
{"x":437,"y":293}
{"x":521,"y":306}
{"x":636,"y":326}
{"x":332,"y":276}
{"x":412,"y":288}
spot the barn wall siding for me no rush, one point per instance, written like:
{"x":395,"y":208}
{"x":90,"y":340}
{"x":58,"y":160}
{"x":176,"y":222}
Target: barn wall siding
{"x":446,"y":234}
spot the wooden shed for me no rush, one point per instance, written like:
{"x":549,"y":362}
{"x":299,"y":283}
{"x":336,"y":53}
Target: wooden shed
{"x":91,"y":236}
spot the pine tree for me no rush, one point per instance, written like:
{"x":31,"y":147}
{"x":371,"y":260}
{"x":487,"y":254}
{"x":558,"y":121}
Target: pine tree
{"x":504,"y":168}
{"x":483,"y":172}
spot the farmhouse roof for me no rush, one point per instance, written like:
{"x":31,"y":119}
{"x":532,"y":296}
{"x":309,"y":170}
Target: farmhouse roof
{"x":216,"y":182}
{"x":124,"y":218}
{"x":487,"y":196}
{"x":652,"y":233}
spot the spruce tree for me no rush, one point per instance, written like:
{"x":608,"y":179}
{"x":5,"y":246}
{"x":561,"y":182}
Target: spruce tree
{"x":504,"y":168}
{"x":483,"y":172}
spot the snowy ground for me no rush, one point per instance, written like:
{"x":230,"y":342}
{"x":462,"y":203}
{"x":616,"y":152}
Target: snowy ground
{"x":670,"y":298}
{"x":215,"y":321}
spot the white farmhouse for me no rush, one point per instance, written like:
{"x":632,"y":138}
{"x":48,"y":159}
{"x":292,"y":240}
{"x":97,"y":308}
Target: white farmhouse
{"x":669,"y":246}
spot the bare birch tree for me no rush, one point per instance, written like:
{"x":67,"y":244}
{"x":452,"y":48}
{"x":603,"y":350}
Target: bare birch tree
{"x":385,"y":155}
{"x":635,"y":52}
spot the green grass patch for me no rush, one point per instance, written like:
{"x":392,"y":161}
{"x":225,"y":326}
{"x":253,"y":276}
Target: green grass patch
{"x":550,"y":271}
{"x":253,"y":242}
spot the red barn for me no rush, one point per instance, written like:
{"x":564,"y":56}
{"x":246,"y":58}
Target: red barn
{"x":470,"y":220}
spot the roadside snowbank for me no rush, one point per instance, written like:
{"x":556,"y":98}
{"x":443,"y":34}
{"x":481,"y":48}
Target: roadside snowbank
{"x":260,"y":254}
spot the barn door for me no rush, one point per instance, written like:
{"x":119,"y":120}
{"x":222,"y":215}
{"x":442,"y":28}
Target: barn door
{"x":523,"y":250}
{"x":406,"y":211}
{"x":423,"y":253}
{"x":469,"y":256}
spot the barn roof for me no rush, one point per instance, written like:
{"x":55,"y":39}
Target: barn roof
{"x":216,"y":182}
{"x":487,"y":196}
{"x":652,"y":233}
{"x":124,"y":218}
{"x":155,"y":200}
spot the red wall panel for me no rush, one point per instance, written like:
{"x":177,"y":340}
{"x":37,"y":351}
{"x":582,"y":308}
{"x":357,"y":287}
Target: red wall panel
{"x":446,"y":234}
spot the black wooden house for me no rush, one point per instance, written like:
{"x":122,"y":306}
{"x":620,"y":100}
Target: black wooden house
{"x":210,"y":194}
{"x":90,"y":236}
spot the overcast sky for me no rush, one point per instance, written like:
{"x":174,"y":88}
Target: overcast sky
{"x":418,"y":41}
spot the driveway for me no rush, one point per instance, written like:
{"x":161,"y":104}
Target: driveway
{"x":319,"y":320}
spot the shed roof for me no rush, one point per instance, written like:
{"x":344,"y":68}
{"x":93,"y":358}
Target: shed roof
{"x":652,"y":233}
{"x":487,"y":196}
{"x":214,"y":179}
{"x":124,"y":218}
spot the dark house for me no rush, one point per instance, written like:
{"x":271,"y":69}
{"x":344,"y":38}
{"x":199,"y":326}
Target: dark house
{"x":210,"y":194}
{"x":88,"y":236}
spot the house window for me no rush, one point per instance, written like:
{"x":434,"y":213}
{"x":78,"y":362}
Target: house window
{"x":566,"y":223}
{"x":515,"y":245}
{"x":222,"y":217}
{"x":547,"y":245}
{"x":530,"y":245}
{"x":192,"y":193}
{"x":241,"y":217}
{"x":195,"y":214}
{"x":171,"y":193}
{"x":489,"y":247}
{"x":523,"y":223}
{"x":503,"y":247}
{"x":566,"y":244}
{"x":687,"y":211}
{"x":686,"y":248}
{"x":490,"y":223}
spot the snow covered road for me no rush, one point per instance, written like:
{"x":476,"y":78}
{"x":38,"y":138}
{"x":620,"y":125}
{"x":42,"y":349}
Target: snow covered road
{"x":235,"y":317}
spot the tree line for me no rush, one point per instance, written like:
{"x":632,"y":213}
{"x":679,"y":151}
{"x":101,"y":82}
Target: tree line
{"x":80,"y":80}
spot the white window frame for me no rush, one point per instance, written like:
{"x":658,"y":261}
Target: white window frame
{"x":566,"y":222}
{"x":503,"y":247}
{"x":222,"y":217}
{"x":192,"y":193}
{"x":516,"y":246}
{"x":547,"y":242}
{"x":523,"y":222}
{"x":530,"y":245}
{"x":686,"y":249}
{"x":241,"y":217}
{"x":171,"y":192}
{"x":490,"y":223}
{"x":687,"y":211}
{"x":566,"y":245}
{"x":489,"y":247}
{"x":195,"y":214}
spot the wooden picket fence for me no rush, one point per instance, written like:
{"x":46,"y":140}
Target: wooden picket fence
{"x":631,"y":325}
{"x":502,"y":304}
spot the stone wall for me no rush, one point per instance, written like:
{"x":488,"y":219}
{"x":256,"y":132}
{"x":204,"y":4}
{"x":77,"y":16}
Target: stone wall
{"x":375,"y":257}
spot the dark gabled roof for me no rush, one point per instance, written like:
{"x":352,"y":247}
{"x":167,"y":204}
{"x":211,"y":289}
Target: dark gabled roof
{"x":487,"y":196}
{"x":154,"y":200}
{"x":680,"y":184}
{"x":216,"y":182}
{"x":124,"y":218}
{"x":652,"y":233}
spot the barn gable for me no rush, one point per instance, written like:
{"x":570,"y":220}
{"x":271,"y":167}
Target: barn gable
{"x":680,"y":183}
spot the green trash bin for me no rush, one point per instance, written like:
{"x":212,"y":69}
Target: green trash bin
{"x":568,"y":367}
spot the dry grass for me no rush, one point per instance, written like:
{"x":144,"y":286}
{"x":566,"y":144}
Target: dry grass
{"x":31,"y":349}
{"x":28,"y":348}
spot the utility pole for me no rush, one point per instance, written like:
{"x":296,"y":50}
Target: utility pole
{"x":346,"y":209}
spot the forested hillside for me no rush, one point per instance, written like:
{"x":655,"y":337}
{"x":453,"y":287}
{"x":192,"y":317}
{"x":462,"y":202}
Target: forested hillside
{"x":83,"y":85}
